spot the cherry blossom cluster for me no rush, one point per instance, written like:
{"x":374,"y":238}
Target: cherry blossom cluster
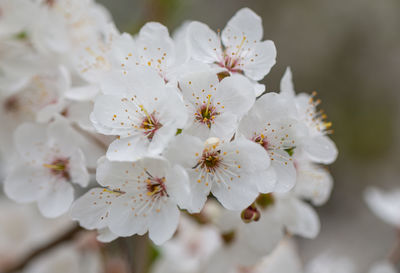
{"x":124,"y":133}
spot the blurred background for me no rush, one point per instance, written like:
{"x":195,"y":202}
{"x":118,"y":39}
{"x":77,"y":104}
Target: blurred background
{"x":347,"y":51}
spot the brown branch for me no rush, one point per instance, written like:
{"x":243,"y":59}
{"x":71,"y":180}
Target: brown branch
{"x":394,"y":255}
{"x":68,"y":235}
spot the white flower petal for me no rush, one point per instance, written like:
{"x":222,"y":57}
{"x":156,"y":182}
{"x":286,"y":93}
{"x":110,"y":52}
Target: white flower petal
{"x":105,"y":235}
{"x":58,"y":199}
{"x":30,"y":141}
{"x":91,"y":209}
{"x":178,"y":186}
{"x":78,"y":171}
{"x":320,"y":149}
{"x":129,"y":149}
{"x":236,"y":94}
{"x":26,"y":183}
{"x":163,"y":224}
{"x":313,"y":182}
{"x":244,"y":23}
{"x":287,"y":87}
{"x":299,"y":217}
{"x":205,"y":44}
{"x":385,"y":205}
{"x":260,"y":59}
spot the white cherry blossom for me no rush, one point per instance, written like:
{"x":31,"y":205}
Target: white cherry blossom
{"x":231,"y":171}
{"x":139,"y":108}
{"x":269,"y":124}
{"x":314,"y":142}
{"x":50,"y":161}
{"x":238,"y":50}
{"x":137,"y":197}
{"x":214,"y":108}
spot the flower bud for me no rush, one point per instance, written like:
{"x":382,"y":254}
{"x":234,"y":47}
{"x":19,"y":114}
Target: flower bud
{"x":250,"y":214}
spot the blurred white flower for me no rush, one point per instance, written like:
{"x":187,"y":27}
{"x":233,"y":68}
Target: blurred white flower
{"x":137,"y":197}
{"x":385,"y":205}
{"x":50,"y":161}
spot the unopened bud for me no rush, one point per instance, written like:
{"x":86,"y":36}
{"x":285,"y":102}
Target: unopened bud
{"x":222,"y":75}
{"x":250,"y":214}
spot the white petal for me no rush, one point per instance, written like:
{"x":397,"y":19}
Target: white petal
{"x":198,"y":192}
{"x":30,"y":140}
{"x":111,"y":115}
{"x":385,"y":205}
{"x":113,"y":175}
{"x":163,"y":224}
{"x":139,"y":80}
{"x":58,"y":200}
{"x":125,"y":221}
{"x":205,"y":44}
{"x":196,"y":86}
{"x":154,"y":47}
{"x":285,"y":171}
{"x":183,"y":149}
{"x":299,"y":217}
{"x":236,"y":194}
{"x":313,"y":182}
{"x":129,"y":149}
{"x":236,"y":94}
{"x":320,"y":149}
{"x":260,"y":59}
{"x":78,"y":171}
{"x":224,"y":127}
{"x":178,"y":186}
{"x":244,"y":23}
{"x":91,"y":209}
{"x":287,"y":87}
{"x":105,"y":235}
{"x":26,"y":183}
{"x":258,"y":239}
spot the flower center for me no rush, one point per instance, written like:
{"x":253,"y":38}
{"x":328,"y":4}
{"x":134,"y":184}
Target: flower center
{"x":206,"y":113}
{"x":262,"y":140}
{"x":150,"y":125}
{"x":231,"y":60}
{"x":59,"y":167}
{"x":210,"y":160}
{"x":156,"y":186}
{"x":11,"y":104}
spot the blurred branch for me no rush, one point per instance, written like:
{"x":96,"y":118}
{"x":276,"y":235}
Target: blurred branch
{"x":394,"y":255}
{"x":67,"y":236}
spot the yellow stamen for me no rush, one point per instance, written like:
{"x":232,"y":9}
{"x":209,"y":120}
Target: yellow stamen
{"x":146,"y":113}
{"x":58,"y":167}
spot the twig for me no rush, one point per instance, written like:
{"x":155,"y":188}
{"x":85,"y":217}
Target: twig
{"x":394,"y":255}
{"x":68,"y":235}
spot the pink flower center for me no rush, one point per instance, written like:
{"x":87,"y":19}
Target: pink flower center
{"x":206,"y":114}
{"x":156,"y":186}
{"x":150,"y":124}
{"x":262,"y":140}
{"x":59,"y":167}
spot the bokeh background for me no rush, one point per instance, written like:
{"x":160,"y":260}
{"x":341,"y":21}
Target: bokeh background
{"x":348,"y":51}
